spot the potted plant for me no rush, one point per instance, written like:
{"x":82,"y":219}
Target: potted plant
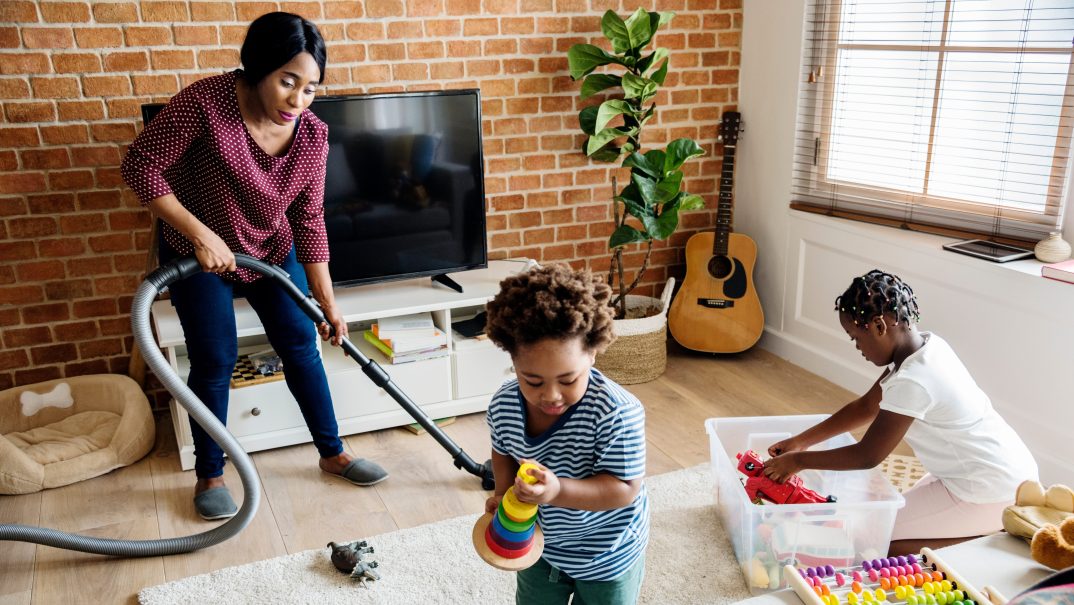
{"x":648,"y":207}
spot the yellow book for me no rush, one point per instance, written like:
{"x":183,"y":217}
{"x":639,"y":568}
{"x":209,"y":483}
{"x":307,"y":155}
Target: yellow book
{"x":376,"y":342}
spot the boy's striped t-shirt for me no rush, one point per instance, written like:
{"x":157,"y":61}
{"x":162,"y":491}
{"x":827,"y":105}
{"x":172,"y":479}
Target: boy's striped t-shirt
{"x":603,"y":433}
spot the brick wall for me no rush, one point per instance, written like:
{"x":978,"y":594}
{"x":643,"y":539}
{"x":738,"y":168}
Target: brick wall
{"x":73,"y":75}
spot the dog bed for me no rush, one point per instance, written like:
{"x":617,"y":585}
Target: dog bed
{"x":67,"y":430}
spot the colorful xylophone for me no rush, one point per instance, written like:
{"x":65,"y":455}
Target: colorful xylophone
{"x":913,"y":580}
{"x":510,"y":539}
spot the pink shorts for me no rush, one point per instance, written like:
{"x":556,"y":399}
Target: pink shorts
{"x":933,"y":512}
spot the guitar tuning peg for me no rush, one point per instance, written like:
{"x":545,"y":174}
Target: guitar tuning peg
{"x":719,"y":138}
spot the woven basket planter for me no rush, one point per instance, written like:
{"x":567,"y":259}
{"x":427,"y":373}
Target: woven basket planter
{"x":639,"y":353}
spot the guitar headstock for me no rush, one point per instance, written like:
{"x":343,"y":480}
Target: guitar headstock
{"x":729,"y":128}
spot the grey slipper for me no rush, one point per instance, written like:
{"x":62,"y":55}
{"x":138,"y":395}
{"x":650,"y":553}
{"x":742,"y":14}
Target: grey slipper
{"x":362,"y":472}
{"x":215,"y":503}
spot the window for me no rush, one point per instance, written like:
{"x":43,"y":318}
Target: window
{"x":950,"y":116}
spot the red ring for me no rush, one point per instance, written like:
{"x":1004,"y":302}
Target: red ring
{"x":503,"y":552}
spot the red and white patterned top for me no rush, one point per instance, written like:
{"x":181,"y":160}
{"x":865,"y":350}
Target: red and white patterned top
{"x":198,"y":148}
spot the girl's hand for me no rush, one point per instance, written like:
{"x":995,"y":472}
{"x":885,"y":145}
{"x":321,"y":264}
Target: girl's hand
{"x":545,"y":490}
{"x":493,"y":503}
{"x":790,"y":444}
{"x":780,"y":468}
{"x":213,"y":254}
{"x":335,"y":320}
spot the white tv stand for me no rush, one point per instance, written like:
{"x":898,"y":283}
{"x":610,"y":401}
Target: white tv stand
{"x":265,"y":415}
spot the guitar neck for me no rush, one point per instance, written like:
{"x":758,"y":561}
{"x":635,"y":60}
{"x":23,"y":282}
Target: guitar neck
{"x":726,"y":203}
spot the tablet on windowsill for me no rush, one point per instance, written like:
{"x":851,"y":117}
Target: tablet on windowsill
{"x":993,"y":251}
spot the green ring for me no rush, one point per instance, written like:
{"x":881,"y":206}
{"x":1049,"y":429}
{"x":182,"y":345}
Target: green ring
{"x":510,"y":525}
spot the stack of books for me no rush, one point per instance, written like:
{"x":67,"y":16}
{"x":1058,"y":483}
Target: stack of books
{"x":406,"y":338}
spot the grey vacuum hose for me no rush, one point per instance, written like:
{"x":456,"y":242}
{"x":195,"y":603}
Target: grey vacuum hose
{"x":153,"y":285}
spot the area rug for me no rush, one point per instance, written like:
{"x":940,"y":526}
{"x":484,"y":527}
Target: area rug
{"x":689,"y":561}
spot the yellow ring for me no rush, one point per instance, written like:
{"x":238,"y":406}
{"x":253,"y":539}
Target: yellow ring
{"x":528,"y":478}
{"x":516,"y":509}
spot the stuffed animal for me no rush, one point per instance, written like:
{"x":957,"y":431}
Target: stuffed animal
{"x":1054,"y":546}
{"x":1045,"y":519}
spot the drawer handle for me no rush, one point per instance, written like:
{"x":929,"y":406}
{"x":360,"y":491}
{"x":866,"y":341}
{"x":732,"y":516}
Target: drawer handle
{"x":256,"y":411}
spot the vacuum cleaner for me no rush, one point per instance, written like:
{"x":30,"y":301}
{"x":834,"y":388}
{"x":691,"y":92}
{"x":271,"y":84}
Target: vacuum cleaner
{"x":154,"y":284}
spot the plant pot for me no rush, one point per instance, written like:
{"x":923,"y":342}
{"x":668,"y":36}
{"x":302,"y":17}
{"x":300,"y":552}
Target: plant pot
{"x":639,"y":353}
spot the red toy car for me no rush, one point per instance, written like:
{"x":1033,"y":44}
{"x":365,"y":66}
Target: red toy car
{"x":759,"y":487}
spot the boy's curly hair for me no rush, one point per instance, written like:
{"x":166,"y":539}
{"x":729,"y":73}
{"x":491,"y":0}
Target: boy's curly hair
{"x":876,"y":293}
{"x":554,"y":301}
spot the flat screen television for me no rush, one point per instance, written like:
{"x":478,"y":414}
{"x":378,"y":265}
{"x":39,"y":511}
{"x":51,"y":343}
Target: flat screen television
{"x":404,"y":190}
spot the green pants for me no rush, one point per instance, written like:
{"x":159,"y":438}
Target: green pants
{"x":543,"y":584}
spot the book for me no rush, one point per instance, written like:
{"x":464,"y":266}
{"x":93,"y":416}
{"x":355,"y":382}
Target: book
{"x":412,"y":340}
{"x":1062,"y":271}
{"x":415,"y":323}
{"x":397,"y":357}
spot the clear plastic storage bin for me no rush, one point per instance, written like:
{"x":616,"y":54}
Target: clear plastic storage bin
{"x":768,"y":536}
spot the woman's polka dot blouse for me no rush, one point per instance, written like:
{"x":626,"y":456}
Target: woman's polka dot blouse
{"x":198,"y":148}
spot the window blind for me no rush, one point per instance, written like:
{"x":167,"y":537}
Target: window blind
{"x":939,"y":115}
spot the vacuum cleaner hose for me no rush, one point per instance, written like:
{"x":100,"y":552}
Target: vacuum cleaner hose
{"x":153,"y":285}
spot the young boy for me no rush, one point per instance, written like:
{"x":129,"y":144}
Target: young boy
{"x":584,"y":431}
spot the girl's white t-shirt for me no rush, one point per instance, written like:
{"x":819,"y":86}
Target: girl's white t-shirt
{"x":956,"y":434}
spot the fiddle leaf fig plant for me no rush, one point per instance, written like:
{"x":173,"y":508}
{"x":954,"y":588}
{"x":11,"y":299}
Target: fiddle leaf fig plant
{"x":654,"y":197}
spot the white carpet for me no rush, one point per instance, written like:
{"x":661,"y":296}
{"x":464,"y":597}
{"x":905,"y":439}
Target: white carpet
{"x":689,"y":561}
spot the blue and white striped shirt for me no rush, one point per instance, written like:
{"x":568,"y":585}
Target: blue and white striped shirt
{"x":603,"y":433}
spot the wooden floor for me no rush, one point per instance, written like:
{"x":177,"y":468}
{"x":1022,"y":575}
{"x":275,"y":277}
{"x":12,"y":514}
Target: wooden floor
{"x":303,"y":508}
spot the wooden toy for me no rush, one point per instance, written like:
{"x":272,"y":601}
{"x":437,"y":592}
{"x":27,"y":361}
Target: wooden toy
{"x":913,"y":580}
{"x":510,"y":539}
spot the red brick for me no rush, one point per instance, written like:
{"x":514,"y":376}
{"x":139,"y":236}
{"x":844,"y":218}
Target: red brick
{"x":33,"y":111}
{"x":446,"y":71}
{"x":122,"y":284}
{"x":501,"y":47}
{"x":126,"y":61}
{"x":22,"y":182}
{"x":481,"y":27}
{"x":99,"y":155}
{"x":542,"y":199}
{"x":117,"y":242}
{"x":54,"y":353}
{"x":64,"y":134}
{"x":518,"y":25}
{"x":226,"y":58}
{"x":343,"y":10}
{"x":536,"y":6}
{"x":113,"y":132}
{"x":13,"y":251}
{"x":165,"y":11}
{"x":69,"y":180}
{"x":24,"y":294}
{"x":11,"y":11}
{"x":410,"y":71}
{"x":65,"y":12}
{"x":367,"y":74}
{"x":115,"y":12}
{"x":124,"y":108}
{"x":306,"y":10}
{"x":24,"y":63}
{"x":97,"y":307}
{"x":68,"y":289}
{"x":40,"y":159}
{"x":384,"y":8}
{"x":106,"y":86}
{"x":60,"y":247}
{"x":394,"y":51}
{"x":55,"y":88}
{"x":202,"y":35}
{"x":128,"y":220}
{"x":402,"y":30}
{"x":500,"y":7}
{"x":346,"y":53}
{"x":153,"y":35}
{"x":98,"y":37}
{"x":442,"y":28}
{"x":85,"y":368}
{"x":156,"y":84}
{"x":13,"y":359}
{"x":464,"y":48}
{"x":82,"y":223}
{"x":212,"y":11}
{"x":51,"y":203}
{"x":248,"y":11}
{"x":9,"y":37}
{"x":8,"y":162}
{"x":47,"y":37}
{"x":94,"y":265}
{"x":463,"y":7}
{"x":24,"y":337}
{"x":76,"y":63}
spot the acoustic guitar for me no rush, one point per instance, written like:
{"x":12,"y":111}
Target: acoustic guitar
{"x":717,"y":309}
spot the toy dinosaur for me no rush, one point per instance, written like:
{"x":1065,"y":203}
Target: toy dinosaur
{"x":759,"y":487}
{"x":348,"y":558}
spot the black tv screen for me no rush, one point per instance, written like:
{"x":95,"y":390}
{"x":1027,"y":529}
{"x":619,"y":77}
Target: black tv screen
{"x":404,"y":192}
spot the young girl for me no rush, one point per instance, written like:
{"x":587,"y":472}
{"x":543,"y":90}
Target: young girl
{"x":586,"y":433}
{"x":974,"y":459}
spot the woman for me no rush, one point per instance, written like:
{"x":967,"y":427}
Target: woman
{"x":236,"y":163}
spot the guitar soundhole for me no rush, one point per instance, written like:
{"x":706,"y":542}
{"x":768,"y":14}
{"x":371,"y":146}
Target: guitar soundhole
{"x":720,"y":266}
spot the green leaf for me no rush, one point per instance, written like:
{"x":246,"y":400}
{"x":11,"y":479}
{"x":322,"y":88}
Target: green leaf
{"x":679,"y":151}
{"x":659,"y":75}
{"x":652,"y":163}
{"x":615,"y":30}
{"x":652,"y":58}
{"x":664,"y":225}
{"x":609,"y":110}
{"x":635,"y":87}
{"x":691,"y":202}
{"x":600,"y":139}
{"x":625,"y":235}
{"x":669,"y":187}
{"x":646,"y":187}
{"x":584,"y":58}
{"x":657,"y":20}
{"x":639,"y":29}
{"x":587,"y":119}
{"x":608,"y":153}
{"x":595,"y":83}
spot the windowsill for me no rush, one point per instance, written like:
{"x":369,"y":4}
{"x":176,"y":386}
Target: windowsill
{"x":929,"y":244}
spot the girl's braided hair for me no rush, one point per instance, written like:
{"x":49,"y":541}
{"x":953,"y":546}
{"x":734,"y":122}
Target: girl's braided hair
{"x":876,"y":293}
{"x":550,"y":302}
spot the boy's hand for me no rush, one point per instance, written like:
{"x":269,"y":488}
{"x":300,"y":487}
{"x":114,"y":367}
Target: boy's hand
{"x":780,"y":468}
{"x":493,"y":503}
{"x":545,"y":490}
{"x":790,"y":444}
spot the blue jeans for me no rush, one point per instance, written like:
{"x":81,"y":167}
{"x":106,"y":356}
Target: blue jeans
{"x":204,"y":305}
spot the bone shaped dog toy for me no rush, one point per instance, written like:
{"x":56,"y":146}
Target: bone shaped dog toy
{"x":59,"y":397}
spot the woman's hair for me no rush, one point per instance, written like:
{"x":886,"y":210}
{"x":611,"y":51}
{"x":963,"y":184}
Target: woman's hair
{"x":274,"y":39}
{"x":876,"y":293}
{"x":551,"y":302}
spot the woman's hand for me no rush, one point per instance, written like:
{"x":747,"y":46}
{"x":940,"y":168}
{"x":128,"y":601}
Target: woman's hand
{"x":213,"y":254}
{"x":780,"y":468}
{"x":335,"y":320}
{"x":544,"y":491}
{"x":790,"y":444}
